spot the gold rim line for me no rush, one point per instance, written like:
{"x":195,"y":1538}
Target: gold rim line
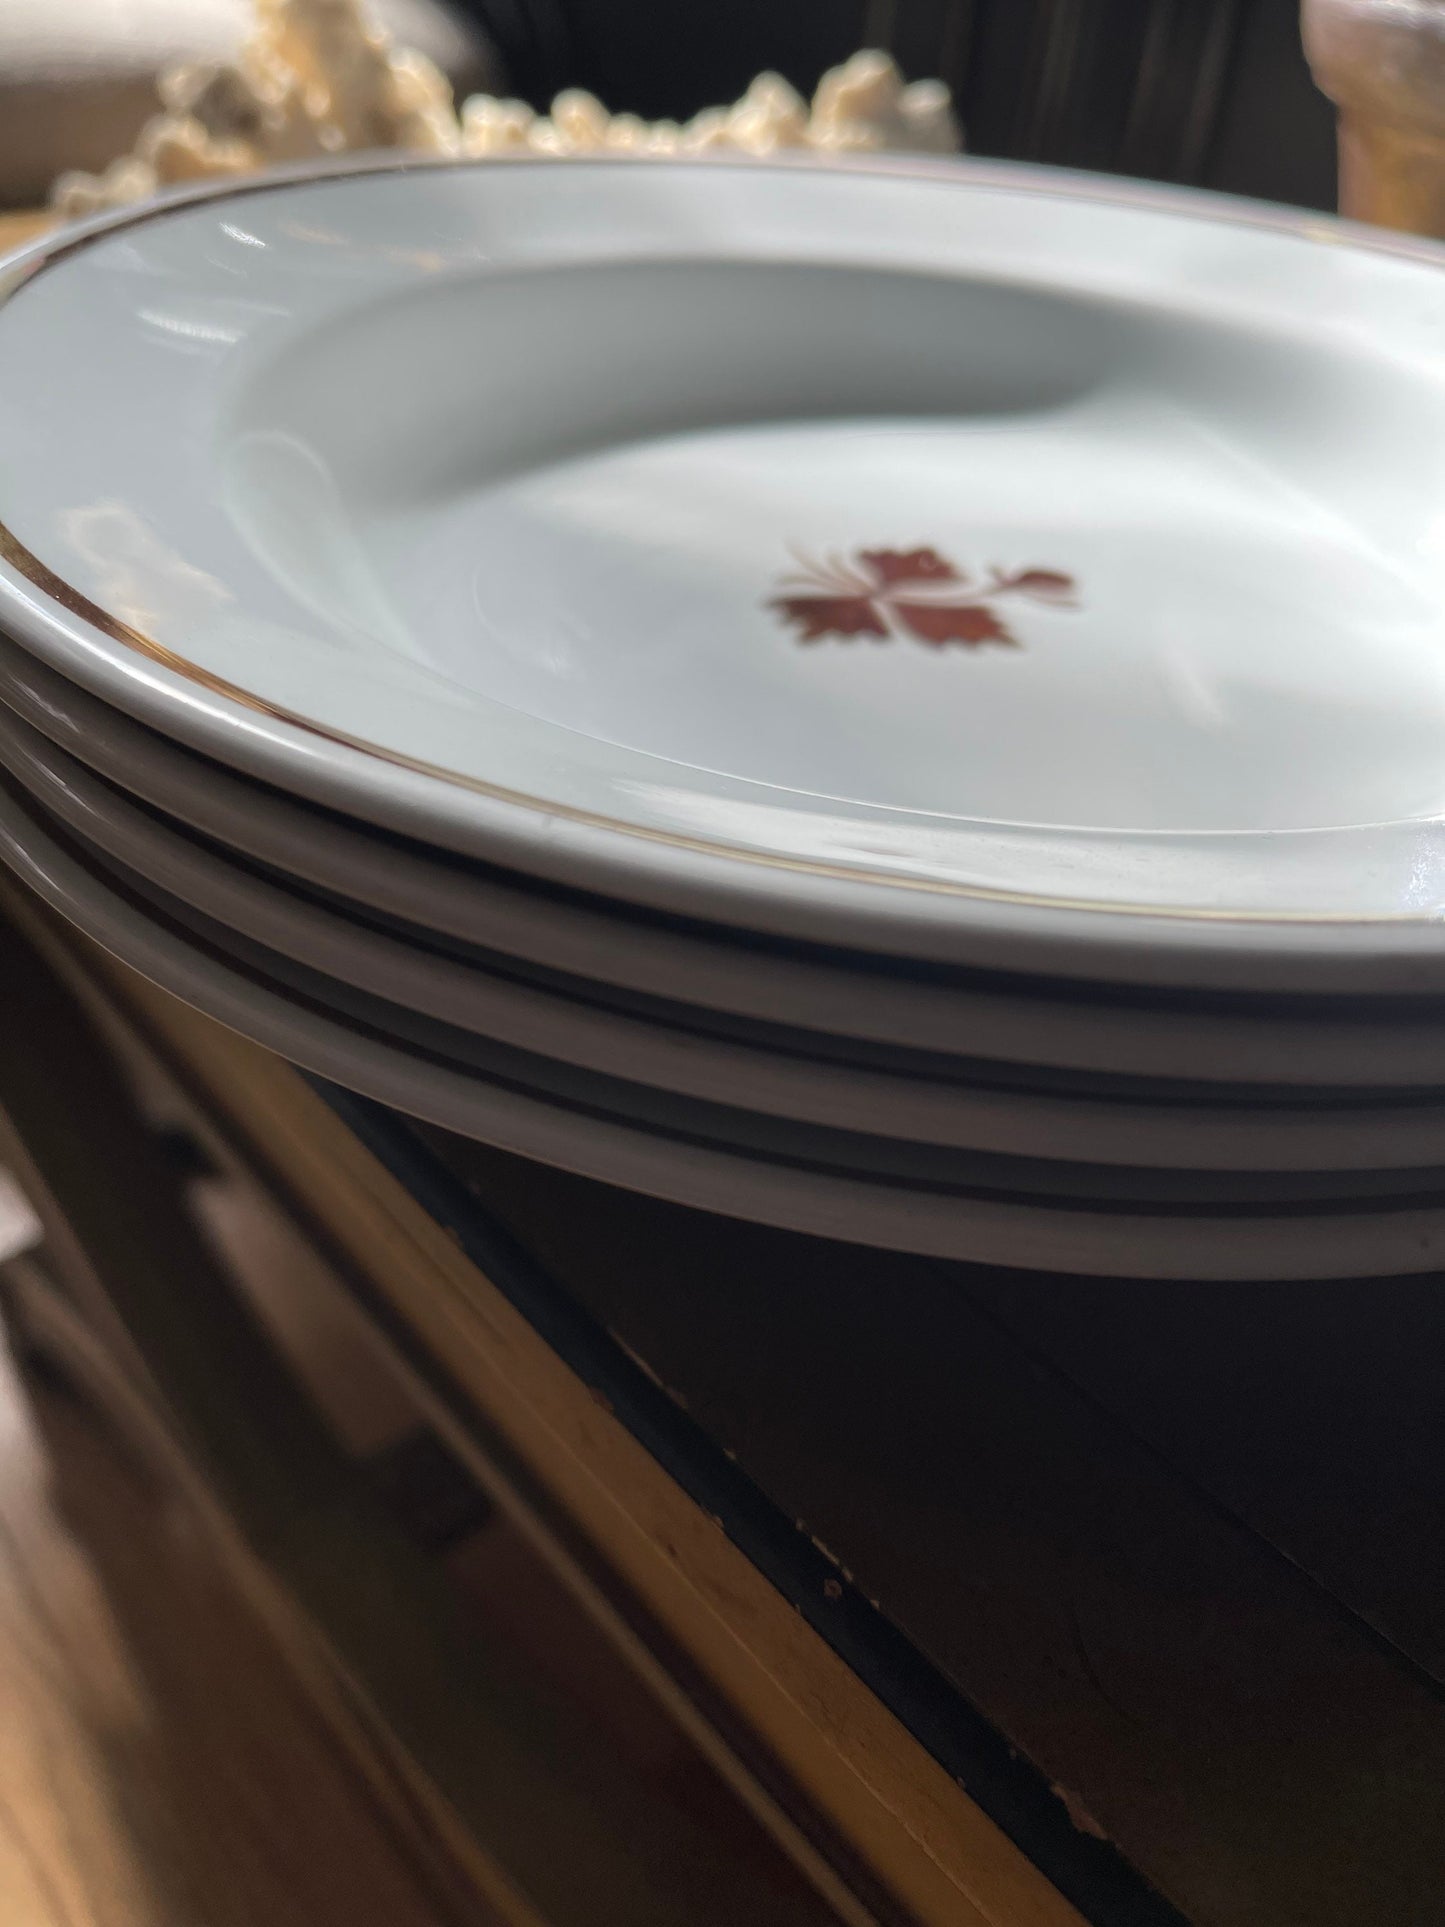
{"x":37,"y":257}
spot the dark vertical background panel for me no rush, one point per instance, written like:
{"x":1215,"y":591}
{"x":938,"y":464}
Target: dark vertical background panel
{"x":1211,"y":92}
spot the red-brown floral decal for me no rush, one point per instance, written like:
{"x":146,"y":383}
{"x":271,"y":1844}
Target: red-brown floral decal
{"x":883,"y":593}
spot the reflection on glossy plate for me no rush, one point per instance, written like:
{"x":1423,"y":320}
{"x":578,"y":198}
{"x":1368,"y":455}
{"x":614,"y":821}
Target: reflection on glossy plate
{"x":939,"y":559}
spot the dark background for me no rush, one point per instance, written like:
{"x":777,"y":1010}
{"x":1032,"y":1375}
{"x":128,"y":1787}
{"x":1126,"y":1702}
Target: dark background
{"x":1213,"y":92}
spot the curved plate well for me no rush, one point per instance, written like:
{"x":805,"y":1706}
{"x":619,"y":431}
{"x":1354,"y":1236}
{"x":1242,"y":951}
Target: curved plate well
{"x":962,"y":563}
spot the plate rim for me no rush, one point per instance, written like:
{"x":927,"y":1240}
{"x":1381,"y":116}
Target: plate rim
{"x":846,"y":903}
{"x":1069,"y":1112}
{"x":784,"y":1197}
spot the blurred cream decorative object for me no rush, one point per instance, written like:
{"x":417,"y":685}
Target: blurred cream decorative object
{"x":318,"y":78}
{"x":862,"y":106}
{"x":78,"y":77}
{"x":1382,"y":62}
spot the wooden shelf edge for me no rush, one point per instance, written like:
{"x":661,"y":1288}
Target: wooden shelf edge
{"x":926,"y":1840}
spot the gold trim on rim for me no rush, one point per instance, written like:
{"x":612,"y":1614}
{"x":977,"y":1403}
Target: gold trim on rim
{"x":38,"y":256}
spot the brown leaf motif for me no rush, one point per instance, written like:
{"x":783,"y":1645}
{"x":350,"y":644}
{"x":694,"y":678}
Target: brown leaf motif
{"x":1043,"y":585}
{"x":914,"y":593}
{"x":940,"y":622}
{"x":888,"y":566}
{"x":831,"y":615}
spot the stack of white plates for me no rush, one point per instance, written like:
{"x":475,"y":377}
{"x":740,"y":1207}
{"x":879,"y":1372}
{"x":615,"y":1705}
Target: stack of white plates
{"x":906,"y":703}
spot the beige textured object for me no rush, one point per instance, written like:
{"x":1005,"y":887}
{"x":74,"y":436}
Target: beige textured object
{"x":491,"y":126}
{"x":182,"y":149}
{"x":317,"y":77}
{"x":864,"y":106}
{"x":770,"y":115}
{"x":78,"y":77}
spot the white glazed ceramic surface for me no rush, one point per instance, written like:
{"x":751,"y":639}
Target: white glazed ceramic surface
{"x":1147,"y":1244}
{"x":924,"y":557}
{"x":801,"y":1002}
{"x":836,"y":1097}
{"x":800,"y":999}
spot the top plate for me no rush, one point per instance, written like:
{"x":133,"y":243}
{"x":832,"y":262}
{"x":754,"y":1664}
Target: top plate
{"x":966,"y":562}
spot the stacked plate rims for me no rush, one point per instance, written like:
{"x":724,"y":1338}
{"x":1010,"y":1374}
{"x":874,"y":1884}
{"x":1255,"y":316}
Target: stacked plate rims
{"x":905,"y":703}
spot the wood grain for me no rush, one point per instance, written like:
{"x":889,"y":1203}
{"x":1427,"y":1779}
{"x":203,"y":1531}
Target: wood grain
{"x":1312,"y":1411}
{"x":157,"y":1766}
{"x":529,"y":1605}
{"x":510,"y":1777}
{"x":1243,"y":1738}
{"x":903,"y":1814}
{"x":154,"y":1087}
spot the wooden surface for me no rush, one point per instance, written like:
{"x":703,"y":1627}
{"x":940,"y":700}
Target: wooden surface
{"x":982,"y":1463}
{"x":1312,"y":1411}
{"x":1227,"y":1720}
{"x":520,"y":1586}
{"x":901,"y":1812}
{"x":531,"y":1630}
{"x":502,"y":1769}
{"x":158,"y":1767}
